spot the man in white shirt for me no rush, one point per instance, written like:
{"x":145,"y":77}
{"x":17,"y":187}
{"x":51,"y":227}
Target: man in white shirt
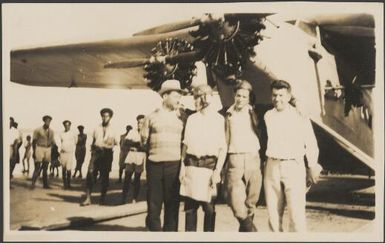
{"x":135,"y":160}
{"x":290,"y":138}
{"x":203,"y":155}
{"x":244,"y":177}
{"x":104,"y":140}
{"x":67,"y":146}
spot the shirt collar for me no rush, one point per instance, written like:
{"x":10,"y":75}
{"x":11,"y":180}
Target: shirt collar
{"x":231,"y":109}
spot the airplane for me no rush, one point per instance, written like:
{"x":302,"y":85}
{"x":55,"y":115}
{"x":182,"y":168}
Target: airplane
{"x":329,"y":59}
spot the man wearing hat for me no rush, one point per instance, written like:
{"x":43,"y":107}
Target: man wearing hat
{"x":67,"y":147}
{"x":43,"y":139}
{"x":244,"y":139}
{"x":80,"y":152}
{"x":162,"y":134}
{"x":105,"y":138}
{"x":203,"y":155}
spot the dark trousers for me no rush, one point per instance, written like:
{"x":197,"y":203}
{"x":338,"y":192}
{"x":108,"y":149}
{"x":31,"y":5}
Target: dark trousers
{"x":40,"y":166}
{"x":13,"y":162}
{"x":191,"y":207}
{"x":163,"y":188}
{"x":101,"y":160}
{"x":128,"y":171}
{"x":12,"y":167}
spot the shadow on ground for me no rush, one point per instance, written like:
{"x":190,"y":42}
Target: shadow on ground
{"x":325,"y":191}
{"x":360,"y":214}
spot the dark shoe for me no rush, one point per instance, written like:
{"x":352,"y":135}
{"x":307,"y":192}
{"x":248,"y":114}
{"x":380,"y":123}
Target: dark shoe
{"x":191,"y":220}
{"x":47,"y":187}
{"x":102,"y":199}
{"x":86,"y":202}
{"x":247,"y":225}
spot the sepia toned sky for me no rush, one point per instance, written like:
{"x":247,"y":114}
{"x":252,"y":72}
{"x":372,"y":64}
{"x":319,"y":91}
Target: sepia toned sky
{"x":35,"y":25}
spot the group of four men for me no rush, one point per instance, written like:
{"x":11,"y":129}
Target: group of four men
{"x":185,"y":154}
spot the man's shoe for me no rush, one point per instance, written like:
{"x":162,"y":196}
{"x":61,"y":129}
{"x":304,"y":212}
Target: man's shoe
{"x":102,"y":199}
{"x":86,"y":202}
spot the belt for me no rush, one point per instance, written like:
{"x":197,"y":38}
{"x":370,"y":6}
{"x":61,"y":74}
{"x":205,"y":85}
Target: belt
{"x":44,"y":146}
{"x":96,"y":148}
{"x":279,"y":159}
{"x":208,"y":161}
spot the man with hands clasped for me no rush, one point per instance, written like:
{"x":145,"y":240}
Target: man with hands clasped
{"x":203,"y":155}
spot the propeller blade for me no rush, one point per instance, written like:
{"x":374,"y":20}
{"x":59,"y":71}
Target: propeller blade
{"x":170,"y":27}
{"x":196,"y":21}
{"x":128,"y":64}
{"x":183,"y":57}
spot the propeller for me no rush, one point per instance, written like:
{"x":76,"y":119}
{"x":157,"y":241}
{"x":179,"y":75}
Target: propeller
{"x":137,"y":62}
{"x":207,"y":18}
{"x":172,"y":59}
{"x":170,"y":27}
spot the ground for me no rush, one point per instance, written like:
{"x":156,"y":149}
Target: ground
{"x":335,"y":204}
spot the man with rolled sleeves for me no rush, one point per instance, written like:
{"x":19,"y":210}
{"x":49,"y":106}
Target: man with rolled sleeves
{"x":43,"y":139}
{"x":104,"y":140}
{"x":244,"y":139}
{"x":162,"y":135}
{"x":290,"y":139}
{"x":203,"y":155}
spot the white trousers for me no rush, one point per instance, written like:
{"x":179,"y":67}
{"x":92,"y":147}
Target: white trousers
{"x":286,"y":181}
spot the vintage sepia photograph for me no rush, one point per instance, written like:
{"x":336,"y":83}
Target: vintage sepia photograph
{"x":252,"y":121}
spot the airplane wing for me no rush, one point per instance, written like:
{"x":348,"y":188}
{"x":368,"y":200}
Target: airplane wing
{"x":83,"y":64}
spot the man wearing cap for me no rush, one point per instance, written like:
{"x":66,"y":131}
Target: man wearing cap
{"x":124,"y":148}
{"x":80,"y":151}
{"x":104,"y":140}
{"x":135,"y":160}
{"x":162,"y":134}
{"x":43,"y":139}
{"x":66,"y":146}
{"x":290,"y":139}
{"x":203,"y":155}
{"x":244,"y":139}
